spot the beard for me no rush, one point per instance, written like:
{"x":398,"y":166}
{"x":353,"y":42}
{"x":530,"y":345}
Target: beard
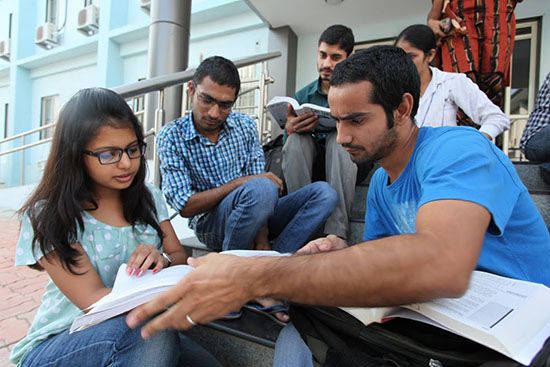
{"x":386,"y":146}
{"x":325,"y":78}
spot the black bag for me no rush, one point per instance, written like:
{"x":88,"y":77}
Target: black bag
{"x":273,"y":153}
{"x":338,"y":339}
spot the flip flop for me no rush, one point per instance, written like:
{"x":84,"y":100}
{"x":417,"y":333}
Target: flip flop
{"x":269,"y":311}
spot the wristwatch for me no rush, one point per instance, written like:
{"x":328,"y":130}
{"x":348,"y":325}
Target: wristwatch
{"x":168,"y":258}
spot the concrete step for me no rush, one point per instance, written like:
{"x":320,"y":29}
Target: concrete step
{"x":530,"y":175}
{"x":542,"y":201}
{"x":247,"y":341}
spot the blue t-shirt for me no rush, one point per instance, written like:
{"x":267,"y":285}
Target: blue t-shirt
{"x":460,"y":163}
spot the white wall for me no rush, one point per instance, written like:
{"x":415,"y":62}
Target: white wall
{"x":134,"y":60}
{"x":231,"y":46}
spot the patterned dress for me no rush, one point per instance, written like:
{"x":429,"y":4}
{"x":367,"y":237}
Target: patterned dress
{"x":484,"y":52}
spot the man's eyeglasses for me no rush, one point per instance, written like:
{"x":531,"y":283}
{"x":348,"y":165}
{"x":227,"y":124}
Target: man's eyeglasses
{"x":114,"y":155}
{"x":209,"y":101}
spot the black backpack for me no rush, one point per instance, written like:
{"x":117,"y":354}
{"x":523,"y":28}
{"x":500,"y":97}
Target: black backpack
{"x":338,"y":339}
{"x":273,"y":153}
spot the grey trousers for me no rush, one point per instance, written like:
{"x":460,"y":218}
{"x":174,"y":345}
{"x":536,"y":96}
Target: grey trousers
{"x":299,"y":155}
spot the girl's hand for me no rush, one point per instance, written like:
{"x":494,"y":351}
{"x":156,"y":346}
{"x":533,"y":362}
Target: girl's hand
{"x":143,"y":257}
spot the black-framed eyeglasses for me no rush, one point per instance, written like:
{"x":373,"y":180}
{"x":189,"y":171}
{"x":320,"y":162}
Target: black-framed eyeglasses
{"x":114,"y":155}
{"x":209,"y":101}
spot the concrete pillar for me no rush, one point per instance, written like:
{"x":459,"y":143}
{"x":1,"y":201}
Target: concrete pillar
{"x":168,"y":51}
{"x":282,"y":69}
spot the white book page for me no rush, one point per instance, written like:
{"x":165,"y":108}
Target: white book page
{"x":253,"y":253}
{"x":501,"y":313}
{"x":96,"y":316}
{"x":125,"y":285}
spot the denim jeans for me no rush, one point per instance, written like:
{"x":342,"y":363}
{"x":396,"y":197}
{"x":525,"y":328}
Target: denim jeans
{"x":113,"y":343}
{"x":292,"y":220}
{"x":537,"y":149}
{"x":291,"y":350}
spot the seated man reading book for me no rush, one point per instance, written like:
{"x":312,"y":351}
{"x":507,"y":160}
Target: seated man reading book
{"x":212,"y":167}
{"x":445,"y":201}
{"x":305,"y":143}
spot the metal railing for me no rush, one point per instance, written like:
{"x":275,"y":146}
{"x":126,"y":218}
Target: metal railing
{"x":158,"y":85}
{"x":512,"y":137}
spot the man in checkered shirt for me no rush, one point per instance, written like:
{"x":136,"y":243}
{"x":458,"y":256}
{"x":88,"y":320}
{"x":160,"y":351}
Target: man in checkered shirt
{"x":535,"y":142}
{"x":212,"y":167}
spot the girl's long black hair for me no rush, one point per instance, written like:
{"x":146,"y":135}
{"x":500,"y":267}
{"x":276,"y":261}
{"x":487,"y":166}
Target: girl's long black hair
{"x":55,"y":208}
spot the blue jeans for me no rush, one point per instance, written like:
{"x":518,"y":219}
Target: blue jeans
{"x":113,"y":343}
{"x":537,"y":149}
{"x":291,"y":350}
{"x":292,"y":220}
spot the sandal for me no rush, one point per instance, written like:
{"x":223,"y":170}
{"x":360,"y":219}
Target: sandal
{"x":269,"y":311}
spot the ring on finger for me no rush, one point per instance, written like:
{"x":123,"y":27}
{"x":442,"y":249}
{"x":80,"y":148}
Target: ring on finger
{"x":190,"y":320}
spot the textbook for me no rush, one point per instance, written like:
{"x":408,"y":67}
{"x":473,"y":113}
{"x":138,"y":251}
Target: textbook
{"x":130,"y":291}
{"x":278,"y":107}
{"x":507,"y":315}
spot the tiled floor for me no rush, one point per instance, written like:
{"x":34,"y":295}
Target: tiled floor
{"x":21,"y":289}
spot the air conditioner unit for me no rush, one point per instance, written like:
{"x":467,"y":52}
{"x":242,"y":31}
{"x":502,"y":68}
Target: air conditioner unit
{"x":46,"y":35}
{"x":145,"y":5}
{"x":5,"y":49}
{"x":88,"y":20}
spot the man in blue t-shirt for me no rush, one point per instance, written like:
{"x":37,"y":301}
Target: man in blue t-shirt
{"x":445,"y":202}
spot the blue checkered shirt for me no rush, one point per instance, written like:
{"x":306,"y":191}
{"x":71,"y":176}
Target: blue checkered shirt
{"x":191,"y":163}
{"x":540,"y":117}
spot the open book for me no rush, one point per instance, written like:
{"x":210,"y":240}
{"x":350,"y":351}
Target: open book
{"x":130,"y":291}
{"x":507,"y":315}
{"x":278,"y":107}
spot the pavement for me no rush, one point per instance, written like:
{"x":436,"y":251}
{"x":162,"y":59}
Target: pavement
{"x":21,"y":290}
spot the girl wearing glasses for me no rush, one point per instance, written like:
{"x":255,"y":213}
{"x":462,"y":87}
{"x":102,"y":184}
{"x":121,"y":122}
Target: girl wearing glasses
{"x":91,"y":212}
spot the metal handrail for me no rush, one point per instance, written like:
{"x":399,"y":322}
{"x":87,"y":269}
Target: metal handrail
{"x":26,"y":146}
{"x":29,"y":132}
{"x":164,"y":81}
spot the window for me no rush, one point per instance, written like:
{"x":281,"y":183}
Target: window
{"x":6,"y":118}
{"x":51,"y":11}
{"x":138,"y":106}
{"x":48,"y":110}
{"x":520,"y":100}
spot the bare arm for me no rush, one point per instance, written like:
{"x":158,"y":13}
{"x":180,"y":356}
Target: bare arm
{"x":82,"y":290}
{"x":204,"y":201}
{"x":437,"y":261}
{"x":434,"y":262}
{"x":434,"y":17}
